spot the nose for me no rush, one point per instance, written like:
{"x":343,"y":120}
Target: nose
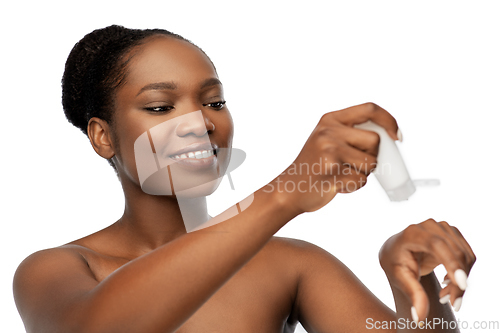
{"x":198,"y":125}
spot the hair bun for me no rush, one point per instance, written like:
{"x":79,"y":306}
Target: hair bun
{"x":95,"y":68}
{"x":80,"y":71}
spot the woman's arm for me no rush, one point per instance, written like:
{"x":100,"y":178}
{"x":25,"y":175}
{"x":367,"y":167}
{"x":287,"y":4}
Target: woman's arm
{"x":56,"y":292}
{"x":330,"y":298}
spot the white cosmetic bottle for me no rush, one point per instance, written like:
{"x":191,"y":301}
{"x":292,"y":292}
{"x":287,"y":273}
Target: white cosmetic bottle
{"x":391,"y":170}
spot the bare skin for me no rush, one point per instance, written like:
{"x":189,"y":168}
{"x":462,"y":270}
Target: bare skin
{"x":144,"y":273}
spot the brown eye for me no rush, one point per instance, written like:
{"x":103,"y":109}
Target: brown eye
{"x":158,"y":109}
{"x":216,"y":105}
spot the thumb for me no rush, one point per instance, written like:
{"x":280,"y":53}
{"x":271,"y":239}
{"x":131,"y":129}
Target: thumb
{"x":410,"y":285}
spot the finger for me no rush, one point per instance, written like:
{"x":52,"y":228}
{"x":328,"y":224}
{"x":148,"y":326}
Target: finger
{"x":350,"y":180}
{"x":409,"y":284}
{"x":369,"y":111}
{"x":447,"y":252}
{"x":454,"y":291}
{"x":465,"y":244}
{"x":444,"y":230}
{"x":457,"y":303}
{"x":441,"y":250}
{"x":461,"y":242}
{"x":360,"y":161}
{"x":446,"y":280}
{"x":453,"y":295}
{"x":363,"y":140}
{"x":456,"y":295}
{"x":444,"y":294}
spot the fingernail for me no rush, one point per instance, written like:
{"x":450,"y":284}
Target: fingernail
{"x":457,"y":304}
{"x":400,"y":135}
{"x":447,"y":281}
{"x":461,"y":278}
{"x":444,"y":299}
{"x":414,"y":314}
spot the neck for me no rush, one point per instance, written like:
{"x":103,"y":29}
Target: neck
{"x":149,"y":221}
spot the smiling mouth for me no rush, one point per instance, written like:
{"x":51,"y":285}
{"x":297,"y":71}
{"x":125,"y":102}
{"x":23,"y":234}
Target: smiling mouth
{"x":196,"y":155}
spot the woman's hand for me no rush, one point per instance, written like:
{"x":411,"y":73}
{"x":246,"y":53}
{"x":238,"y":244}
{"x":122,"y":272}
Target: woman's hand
{"x":416,"y":251}
{"x":336,"y":158}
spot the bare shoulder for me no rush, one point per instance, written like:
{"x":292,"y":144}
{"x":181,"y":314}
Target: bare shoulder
{"x":303,"y":261}
{"x":312,"y":263}
{"x":41,"y":266}
{"x":299,"y":252}
{"x":45,"y":281}
{"x":324,"y":282}
{"x":43,"y":262}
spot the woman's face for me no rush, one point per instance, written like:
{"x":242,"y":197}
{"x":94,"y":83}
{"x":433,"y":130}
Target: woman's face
{"x":169,"y":117}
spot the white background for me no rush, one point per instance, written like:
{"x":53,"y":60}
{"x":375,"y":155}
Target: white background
{"x":433,"y":64}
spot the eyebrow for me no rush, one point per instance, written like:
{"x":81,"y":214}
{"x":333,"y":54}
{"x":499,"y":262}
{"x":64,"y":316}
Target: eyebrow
{"x":210,"y":82}
{"x":158,"y":86}
{"x":172,"y":86}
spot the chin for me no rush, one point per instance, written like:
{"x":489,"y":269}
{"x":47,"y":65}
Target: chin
{"x":184,"y":184}
{"x":201,"y":190}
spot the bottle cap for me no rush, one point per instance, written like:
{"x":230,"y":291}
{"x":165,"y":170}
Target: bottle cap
{"x":402,"y":192}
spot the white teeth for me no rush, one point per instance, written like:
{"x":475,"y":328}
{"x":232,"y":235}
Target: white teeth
{"x":196,"y":154}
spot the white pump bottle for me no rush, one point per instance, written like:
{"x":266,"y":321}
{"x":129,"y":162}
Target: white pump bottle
{"x":391,"y":170}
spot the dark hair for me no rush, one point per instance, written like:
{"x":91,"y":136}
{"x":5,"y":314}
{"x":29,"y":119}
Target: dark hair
{"x":95,"y":68}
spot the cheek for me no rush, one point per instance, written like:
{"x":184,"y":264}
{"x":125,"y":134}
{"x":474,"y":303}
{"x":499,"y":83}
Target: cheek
{"x":126,"y":157}
{"x":224,"y":128}
{"x":223,"y":135}
{"x":127,"y":131}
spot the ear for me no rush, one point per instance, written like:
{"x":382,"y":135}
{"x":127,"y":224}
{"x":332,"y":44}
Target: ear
{"x":99,"y":134}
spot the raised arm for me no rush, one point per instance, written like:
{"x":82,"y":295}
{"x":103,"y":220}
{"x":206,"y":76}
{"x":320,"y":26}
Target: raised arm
{"x":55,"y":290}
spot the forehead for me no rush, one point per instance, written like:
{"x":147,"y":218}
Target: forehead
{"x":164,"y":58}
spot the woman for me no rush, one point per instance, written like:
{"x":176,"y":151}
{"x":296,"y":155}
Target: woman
{"x":146,"y":273}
